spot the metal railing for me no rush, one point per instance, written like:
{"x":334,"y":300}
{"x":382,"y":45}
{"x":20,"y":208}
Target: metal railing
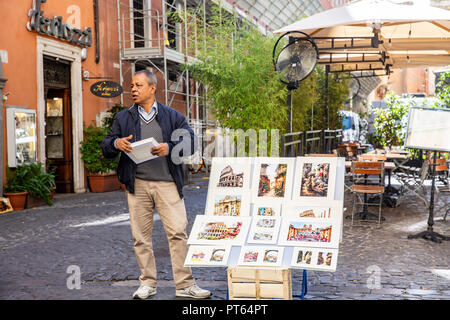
{"x":297,"y":144}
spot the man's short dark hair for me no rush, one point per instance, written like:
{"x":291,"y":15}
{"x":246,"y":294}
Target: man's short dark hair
{"x":151,"y":77}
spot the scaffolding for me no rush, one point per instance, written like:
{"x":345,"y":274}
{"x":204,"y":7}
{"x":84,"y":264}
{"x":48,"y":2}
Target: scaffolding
{"x":150,"y":36}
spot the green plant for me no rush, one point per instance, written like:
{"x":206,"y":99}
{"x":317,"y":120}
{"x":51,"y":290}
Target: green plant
{"x":244,"y":91}
{"x":443,"y":90}
{"x":108,"y":120}
{"x":91,"y":152}
{"x":31,"y":178}
{"x":389,"y":123}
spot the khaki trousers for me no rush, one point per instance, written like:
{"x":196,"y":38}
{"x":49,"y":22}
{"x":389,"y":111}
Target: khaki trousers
{"x":165,"y":197}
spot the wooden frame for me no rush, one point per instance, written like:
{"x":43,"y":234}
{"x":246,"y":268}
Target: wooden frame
{"x":264,"y":230}
{"x":272,"y":179}
{"x":269,"y":256}
{"x":214,"y":230}
{"x":207,"y":256}
{"x":324,"y":259}
{"x":309,"y":182}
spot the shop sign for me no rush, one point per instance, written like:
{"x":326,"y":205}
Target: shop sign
{"x":54,"y":27}
{"x":106,"y":89}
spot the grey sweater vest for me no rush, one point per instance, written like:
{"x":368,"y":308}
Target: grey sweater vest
{"x":156,"y":169}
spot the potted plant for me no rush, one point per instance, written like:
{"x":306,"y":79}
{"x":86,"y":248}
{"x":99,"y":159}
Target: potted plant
{"x":40,"y":185}
{"x":101,"y":171}
{"x":15,"y":189}
{"x":30,"y":185}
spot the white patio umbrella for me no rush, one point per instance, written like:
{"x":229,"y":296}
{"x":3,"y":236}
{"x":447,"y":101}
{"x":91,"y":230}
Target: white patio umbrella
{"x":412,"y":35}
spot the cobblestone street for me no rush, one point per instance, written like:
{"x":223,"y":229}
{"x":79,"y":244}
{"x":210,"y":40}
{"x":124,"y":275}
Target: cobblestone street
{"x":41,"y":247}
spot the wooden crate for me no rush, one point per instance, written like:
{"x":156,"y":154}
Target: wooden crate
{"x":250,"y":283}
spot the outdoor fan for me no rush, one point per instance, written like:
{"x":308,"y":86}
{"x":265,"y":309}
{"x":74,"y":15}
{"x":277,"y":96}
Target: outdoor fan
{"x":295,"y":62}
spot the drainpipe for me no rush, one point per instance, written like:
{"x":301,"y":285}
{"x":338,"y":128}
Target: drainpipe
{"x":2,"y":85}
{"x":97,"y":37}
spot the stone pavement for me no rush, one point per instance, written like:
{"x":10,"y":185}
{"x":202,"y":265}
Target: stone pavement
{"x":42,"y":249}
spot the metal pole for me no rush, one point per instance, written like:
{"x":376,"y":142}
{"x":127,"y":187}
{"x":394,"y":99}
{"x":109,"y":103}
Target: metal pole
{"x":120,"y":50}
{"x":327,"y":71}
{"x":166,"y":85}
{"x":2,"y":85}
{"x":289,"y":103}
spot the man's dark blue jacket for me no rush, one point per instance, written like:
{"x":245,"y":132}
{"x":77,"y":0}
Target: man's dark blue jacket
{"x":126,"y":123}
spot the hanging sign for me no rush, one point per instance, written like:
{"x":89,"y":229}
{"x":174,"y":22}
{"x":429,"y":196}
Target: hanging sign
{"x":106,"y":89}
{"x":54,"y":27}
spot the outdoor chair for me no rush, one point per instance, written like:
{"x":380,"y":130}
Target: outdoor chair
{"x":368,"y":179}
{"x":348,"y":150}
{"x":412,"y":181}
{"x":442,"y":187}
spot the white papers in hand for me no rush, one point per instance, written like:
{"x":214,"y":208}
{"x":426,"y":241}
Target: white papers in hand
{"x":142,"y":150}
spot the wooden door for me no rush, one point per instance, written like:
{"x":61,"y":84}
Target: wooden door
{"x":58,"y":131}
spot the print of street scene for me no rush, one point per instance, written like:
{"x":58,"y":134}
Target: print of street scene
{"x":272,"y":180}
{"x":315,"y":180}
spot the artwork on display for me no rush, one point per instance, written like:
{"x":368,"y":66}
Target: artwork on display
{"x":229,"y":172}
{"x":264,"y":229}
{"x":269,"y":256}
{"x":266,"y":208}
{"x":309,"y":232}
{"x":272,"y":179}
{"x":228,"y":203}
{"x":207,"y":256}
{"x":213,"y":230}
{"x":314,"y":259}
{"x":315,"y":178}
{"x":330,"y":210}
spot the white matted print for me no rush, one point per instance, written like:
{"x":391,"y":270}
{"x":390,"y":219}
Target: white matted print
{"x":272,"y":179}
{"x":261,"y":256}
{"x":207,"y":256}
{"x":266,"y":208}
{"x":230,"y":172}
{"x":264,"y":230}
{"x":309,"y":232}
{"x":228,"y":203}
{"x":214,"y":230}
{"x":329,"y":210}
{"x":315,"y":178}
{"x":315,"y":259}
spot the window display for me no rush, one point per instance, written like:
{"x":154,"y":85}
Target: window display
{"x":21,"y":133}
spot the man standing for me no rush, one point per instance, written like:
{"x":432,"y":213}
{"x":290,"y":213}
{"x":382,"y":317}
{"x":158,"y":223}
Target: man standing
{"x":154,"y":183}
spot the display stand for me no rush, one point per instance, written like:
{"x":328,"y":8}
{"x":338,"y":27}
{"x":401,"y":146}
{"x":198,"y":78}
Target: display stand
{"x":431,"y":135}
{"x":429,"y":234}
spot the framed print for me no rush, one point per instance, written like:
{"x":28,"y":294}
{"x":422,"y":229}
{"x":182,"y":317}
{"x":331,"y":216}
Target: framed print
{"x":214,"y":230}
{"x":207,"y":256}
{"x":266,"y":208}
{"x":228,"y":203}
{"x":327,"y":210}
{"x":230,"y":172}
{"x":315,"y":178}
{"x":309,"y":232}
{"x":272,"y":179}
{"x":261,"y":256}
{"x":314,"y":259}
{"x":264,"y":229}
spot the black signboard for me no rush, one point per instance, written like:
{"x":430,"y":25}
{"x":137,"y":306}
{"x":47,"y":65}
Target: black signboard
{"x":106,"y":89}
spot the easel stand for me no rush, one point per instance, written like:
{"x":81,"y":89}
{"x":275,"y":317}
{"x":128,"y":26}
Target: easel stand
{"x":429,"y":234}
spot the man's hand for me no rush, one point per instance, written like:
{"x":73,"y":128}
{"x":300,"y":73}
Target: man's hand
{"x":124,"y":144}
{"x":161,"y":150}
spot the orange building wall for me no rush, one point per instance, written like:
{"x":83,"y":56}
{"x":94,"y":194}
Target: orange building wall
{"x":21,"y":69}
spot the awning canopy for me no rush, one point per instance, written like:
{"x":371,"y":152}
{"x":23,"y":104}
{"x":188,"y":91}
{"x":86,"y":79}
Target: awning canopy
{"x":400,"y":35}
